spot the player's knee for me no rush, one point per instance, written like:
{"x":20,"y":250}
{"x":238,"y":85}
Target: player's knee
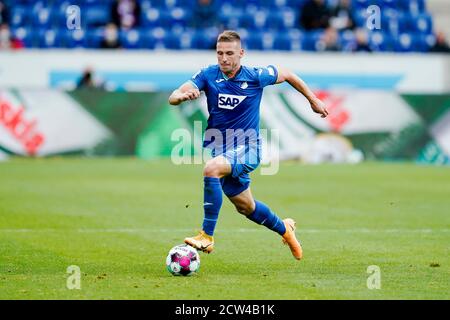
{"x":245,"y":208}
{"x":211,"y":169}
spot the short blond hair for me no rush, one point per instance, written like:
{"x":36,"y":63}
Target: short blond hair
{"x":229,"y":36}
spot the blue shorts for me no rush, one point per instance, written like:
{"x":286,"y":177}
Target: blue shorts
{"x":243,"y":159}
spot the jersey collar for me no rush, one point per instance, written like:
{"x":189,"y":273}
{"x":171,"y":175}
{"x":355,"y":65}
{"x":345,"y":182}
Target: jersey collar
{"x":240,"y":75}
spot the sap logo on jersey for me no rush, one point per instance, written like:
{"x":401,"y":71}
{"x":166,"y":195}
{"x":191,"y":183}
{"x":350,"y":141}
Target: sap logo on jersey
{"x":230,"y":101}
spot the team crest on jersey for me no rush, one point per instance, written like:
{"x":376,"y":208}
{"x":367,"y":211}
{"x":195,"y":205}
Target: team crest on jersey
{"x":230,"y":101}
{"x":244,"y":85}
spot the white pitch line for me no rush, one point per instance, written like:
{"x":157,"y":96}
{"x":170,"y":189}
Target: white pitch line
{"x":241,"y":230}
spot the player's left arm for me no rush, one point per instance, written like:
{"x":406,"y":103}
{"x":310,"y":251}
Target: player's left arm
{"x":298,"y":84}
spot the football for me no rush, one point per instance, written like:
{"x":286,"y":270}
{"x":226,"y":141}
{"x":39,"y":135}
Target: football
{"x":183,"y":260}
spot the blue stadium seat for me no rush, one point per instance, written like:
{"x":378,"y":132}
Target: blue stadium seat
{"x":96,"y":15}
{"x":274,"y":4}
{"x":130,"y":39}
{"x":186,"y":40}
{"x":94,"y":37}
{"x":347,"y":40}
{"x":230,"y":17}
{"x":360,"y":17}
{"x":49,"y":38}
{"x":179,"y":41}
{"x":245,"y":3}
{"x":296,"y":4}
{"x":310,"y":40}
{"x":381,"y":41}
{"x":422,"y":23}
{"x":179,"y":16}
{"x":251,"y":21}
{"x":362,"y":4}
{"x":289,"y":41}
{"x":20,"y":16}
{"x":282,"y":42}
{"x":150,"y":17}
{"x":384,"y":4}
{"x":155,"y":17}
{"x":282,"y":20}
{"x":406,"y":43}
{"x":414,"y":7}
{"x":172,"y":41}
{"x":74,"y":39}
{"x":203,"y":40}
{"x":254,"y":41}
{"x":425,"y":42}
{"x":406,"y":26}
{"x":43,"y":17}
{"x":159,"y":4}
{"x":25,"y":35}
{"x":394,"y":24}
{"x":185,"y":4}
{"x":148,"y":40}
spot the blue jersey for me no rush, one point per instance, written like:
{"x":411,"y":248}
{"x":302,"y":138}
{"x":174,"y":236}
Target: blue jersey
{"x":233,"y":103}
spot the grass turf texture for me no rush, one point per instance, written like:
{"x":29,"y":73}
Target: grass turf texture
{"x":117,"y":219}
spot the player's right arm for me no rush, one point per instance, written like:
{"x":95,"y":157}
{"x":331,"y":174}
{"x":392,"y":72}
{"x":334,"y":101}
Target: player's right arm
{"x":298,"y":84}
{"x":185,"y":92}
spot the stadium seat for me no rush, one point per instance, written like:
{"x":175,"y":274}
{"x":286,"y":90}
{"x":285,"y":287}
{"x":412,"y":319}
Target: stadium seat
{"x":404,"y":43}
{"x":186,"y":4}
{"x":42,"y":17}
{"x":261,"y":41}
{"x":381,"y":41}
{"x":166,"y":18}
{"x":250,"y":21}
{"x":310,"y":40}
{"x":20,"y":16}
{"x":388,"y":4}
{"x":179,"y":16}
{"x":130,"y":39}
{"x":273,"y":4}
{"x":25,"y":35}
{"x":158,"y":4}
{"x":422,"y":23}
{"x":296,"y":4}
{"x":74,"y":39}
{"x":362,"y":4}
{"x":288,"y":41}
{"x":49,"y":38}
{"x":360,"y":17}
{"x":96,"y":15}
{"x":203,"y":40}
{"x":282,"y":20}
{"x":152,"y":17}
{"x":347,"y":40}
{"x":425,"y":42}
{"x":148,"y":39}
{"x":414,"y":7}
{"x":94,"y":37}
{"x":406,"y":26}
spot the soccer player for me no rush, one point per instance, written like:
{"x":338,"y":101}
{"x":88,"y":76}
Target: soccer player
{"x":233,"y":95}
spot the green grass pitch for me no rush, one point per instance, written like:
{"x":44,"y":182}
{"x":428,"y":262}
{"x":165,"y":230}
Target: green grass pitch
{"x":117,"y":218}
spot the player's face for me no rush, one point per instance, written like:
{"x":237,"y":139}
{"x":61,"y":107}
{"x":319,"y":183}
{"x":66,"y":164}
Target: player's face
{"x":229,"y":56}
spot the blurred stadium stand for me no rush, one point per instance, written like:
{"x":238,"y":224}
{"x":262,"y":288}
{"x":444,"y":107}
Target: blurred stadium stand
{"x":406,"y":25}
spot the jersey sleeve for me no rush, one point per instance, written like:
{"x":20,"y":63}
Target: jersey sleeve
{"x":267,"y":76}
{"x":199,"y":79}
